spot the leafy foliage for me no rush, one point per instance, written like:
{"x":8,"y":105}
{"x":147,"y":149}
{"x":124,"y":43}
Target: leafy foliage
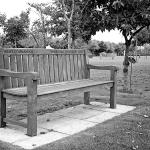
{"x":97,"y":47}
{"x":15,"y":30}
{"x":2,"y":19}
{"x":143,"y":37}
{"x":127,"y":16}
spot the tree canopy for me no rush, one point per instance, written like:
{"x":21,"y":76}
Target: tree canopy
{"x":15,"y":30}
{"x":128,"y":16}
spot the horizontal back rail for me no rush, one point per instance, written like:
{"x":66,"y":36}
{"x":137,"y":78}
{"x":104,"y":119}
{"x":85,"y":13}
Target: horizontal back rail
{"x":27,"y":51}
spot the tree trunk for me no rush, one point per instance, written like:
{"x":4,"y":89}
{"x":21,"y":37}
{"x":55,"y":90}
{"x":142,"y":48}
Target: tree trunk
{"x":69,"y":34}
{"x":43,"y":29}
{"x":15,"y":43}
{"x":69,"y":20}
{"x":34,"y":38}
{"x":125,"y":67}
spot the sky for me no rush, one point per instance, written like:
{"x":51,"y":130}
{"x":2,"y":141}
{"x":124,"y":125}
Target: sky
{"x":14,"y":7}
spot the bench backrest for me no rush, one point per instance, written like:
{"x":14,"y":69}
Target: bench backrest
{"x":52,"y":65}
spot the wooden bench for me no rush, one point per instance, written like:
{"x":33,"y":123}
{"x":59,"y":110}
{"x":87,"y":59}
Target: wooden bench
{"x":36,"y":74}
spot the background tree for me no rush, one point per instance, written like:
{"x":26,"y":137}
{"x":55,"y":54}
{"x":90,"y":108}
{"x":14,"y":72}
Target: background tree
{"x":14,"y":30}
{"x":2,"y":19}
{"x":129,"y":17}
{"x":119,"y":49}
{"x":2,"y":24}
{"x":97,"y":47}
{"x":59,"y":24}
{"x":41,"y":24}
{"x":143,"y":37}
{"x":68,"y":16}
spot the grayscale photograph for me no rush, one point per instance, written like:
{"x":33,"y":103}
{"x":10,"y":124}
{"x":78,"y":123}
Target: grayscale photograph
{"x":75,"y":75}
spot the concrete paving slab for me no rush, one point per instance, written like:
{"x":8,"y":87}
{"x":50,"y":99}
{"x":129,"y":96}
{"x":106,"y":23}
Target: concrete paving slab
{"x":62,"y":123}
{"x":67,"y":125}
{"x":10,"y":135}
{"x":102,"y":117}
{"x":106,"y":107}
{"x":120,"y":109}
{"x":24,"y":130}
{"x":79,"y":112}
{"x":34,"y":142}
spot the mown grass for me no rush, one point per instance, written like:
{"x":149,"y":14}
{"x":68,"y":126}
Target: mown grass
{"x":129,"y":131}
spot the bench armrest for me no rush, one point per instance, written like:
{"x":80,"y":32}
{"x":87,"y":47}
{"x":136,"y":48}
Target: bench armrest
{"x":113,"y":68}
{"x":22,"y":75}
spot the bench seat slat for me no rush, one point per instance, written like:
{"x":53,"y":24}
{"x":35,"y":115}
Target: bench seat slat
{"x":57,"y":87}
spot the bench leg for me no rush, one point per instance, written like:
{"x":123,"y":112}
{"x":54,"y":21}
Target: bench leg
{"x":2,"y":111}
{"x":86,"y":98}
{"x":32,"y":117}
{"x":113,"y":97}
{"x":32,"y":108}
{"x":113,"y":89}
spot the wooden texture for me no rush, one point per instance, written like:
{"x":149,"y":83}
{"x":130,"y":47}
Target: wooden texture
{"x":22,"y":75}
{"x":39,"y":51}
{"x":113,"y":89}
{"x":103,"y":67}
{"x":32,"y":107}
{"x":41,"y":69}
{"x":68,"y":64}
{"x":51,"y":68}
{"x":60,"y":66}
{"x":64,"y":68}
{"x":19,"y":69}
{"x":58,"y":72}
{"x":13,"y":67}
{"x":87,"y":76}
{"x":52,"y":65}
{"x":58,"y":87}
{"x":36,"y":64}
{"x":7,"y":66}
{"x":25,"y":65}
{"x":2,"y":104}
{"x":46,"y":69}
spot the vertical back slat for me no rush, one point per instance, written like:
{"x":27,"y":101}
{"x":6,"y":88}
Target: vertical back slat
{"x":19,"y":69}
{"x":7,"y":66}
{"x":25,"y":65}
{"x":46,"y":69}
{"x":1,"y":61}
{"x":56,"y":68}
{"x":13,"y":67}
{"x":79,"y":67}
{"x":30,"y":63}
{"x":68,"y":67}
{"x":51,"y":68}
{"x":83,"y":66}
{"x":41,"y":69}
{"x":76,"y":66}
{"x":72,"y":67}
{"x":36,"y":65}
{"x":64,"y":67}
{"x":60,"y":67}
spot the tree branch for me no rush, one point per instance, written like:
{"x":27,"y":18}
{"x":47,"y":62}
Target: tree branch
{"x":85,"y":6}
{"x":137,"y":31}
{"x":124,"y":34}
{"x":64,"y":10}
{"x":72,"y":11}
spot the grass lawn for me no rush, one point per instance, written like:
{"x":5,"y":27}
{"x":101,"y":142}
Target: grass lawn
{"x":129,"y":131}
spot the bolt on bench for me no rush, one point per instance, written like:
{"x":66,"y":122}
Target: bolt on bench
{"x":36,"y":74}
